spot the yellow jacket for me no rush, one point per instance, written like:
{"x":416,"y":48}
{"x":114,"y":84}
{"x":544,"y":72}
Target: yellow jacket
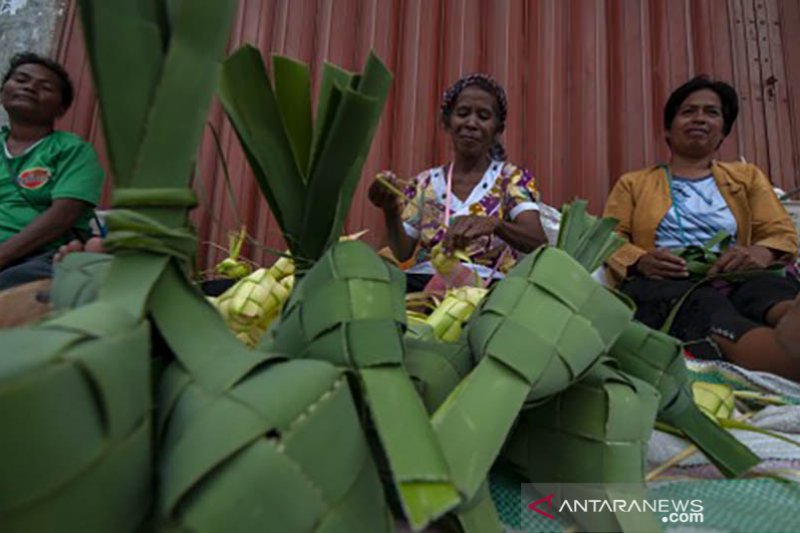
{"x":639,"y":200}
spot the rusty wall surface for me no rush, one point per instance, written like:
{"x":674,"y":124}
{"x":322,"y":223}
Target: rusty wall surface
{"x":586,"y":81}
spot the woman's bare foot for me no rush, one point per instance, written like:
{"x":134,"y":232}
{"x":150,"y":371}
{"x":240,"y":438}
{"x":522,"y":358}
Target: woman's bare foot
{"x":787,"y":332}
{"x":95,"y":245}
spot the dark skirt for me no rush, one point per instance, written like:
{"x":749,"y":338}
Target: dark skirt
{"x":728,"y":309}
{"x":417,"y":282}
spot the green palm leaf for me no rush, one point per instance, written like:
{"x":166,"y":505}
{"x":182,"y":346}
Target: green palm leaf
{"x":657,"y":358}
{"x":239,"y":429}
{"x":330,"y":94}
{"x":594,"y":433}
{"x":436,"y":367}
{"x":249,"y":457}
{"x":351,"y":131}
{"x":77,"y":280}
{"x":375,"y":82}
{"x":83,"y":462}
{"x":177,"y":114}
{"x":533,"y":342}
{"x":246,"y":94}
{"x":349,"y":310}
{"x":109,"y":29}
{"x":281,"y":145}
{"x":536,"y":333}
{"x":76,"y":392}
{"x":589,"y":240}
{"x":293,"y":95}
{"x":479,"y":515}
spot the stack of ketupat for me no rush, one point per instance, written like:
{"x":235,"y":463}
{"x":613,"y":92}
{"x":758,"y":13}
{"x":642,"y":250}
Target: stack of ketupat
{"x":269,"y":437}
{"x":234,"y":444}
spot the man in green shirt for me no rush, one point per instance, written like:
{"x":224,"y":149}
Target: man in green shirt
{"x":49,"y":180}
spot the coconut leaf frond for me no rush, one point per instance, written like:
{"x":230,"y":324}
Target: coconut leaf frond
{"x":589,"y":240}
{"x":293,"y":96}
{"x":700,"y":258}
{"x":246,"y":93}
{"x":307,"y":172}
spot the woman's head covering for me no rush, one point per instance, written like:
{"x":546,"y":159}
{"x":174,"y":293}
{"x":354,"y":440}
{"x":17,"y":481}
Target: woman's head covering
{"x":488,"y":84}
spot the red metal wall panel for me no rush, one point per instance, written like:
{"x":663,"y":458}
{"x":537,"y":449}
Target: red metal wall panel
{"x":586,"y":81}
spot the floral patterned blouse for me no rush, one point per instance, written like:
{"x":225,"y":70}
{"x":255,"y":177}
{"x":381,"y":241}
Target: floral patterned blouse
{"x":504,"y":192}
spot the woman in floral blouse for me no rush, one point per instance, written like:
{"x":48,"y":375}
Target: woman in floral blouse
{"x":478,"y":203}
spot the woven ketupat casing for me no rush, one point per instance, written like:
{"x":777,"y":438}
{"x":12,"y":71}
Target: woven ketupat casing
{"x":532,"y":342}
{"x":657,"y":358}
{"x":716,"y":400}
{"x":77,"y":279}
{"x":252,"y":303}
{"x":282,"y":450}
{"x":595,"y":432}
{"x":349,"y":310}
{"x":549,"y":321}
{"x":449,"y":317}
{"x":76,"y":450}
{"x":436,"y":368}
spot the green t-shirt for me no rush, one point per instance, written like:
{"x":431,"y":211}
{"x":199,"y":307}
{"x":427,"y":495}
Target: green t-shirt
{"x":62,"y":165}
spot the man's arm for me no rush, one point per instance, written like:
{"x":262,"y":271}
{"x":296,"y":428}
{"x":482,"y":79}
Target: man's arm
{"x":44,"y":229}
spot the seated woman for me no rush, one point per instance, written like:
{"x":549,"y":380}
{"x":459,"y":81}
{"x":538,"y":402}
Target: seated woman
{"x":49,"y":180}
{"x":478,"y":203}
{"x":686,"y":202}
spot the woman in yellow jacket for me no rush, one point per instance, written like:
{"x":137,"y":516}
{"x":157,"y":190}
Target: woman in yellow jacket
{"x":686,"y":202}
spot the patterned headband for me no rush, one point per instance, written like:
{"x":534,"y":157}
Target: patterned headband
{"x":482,"y":81}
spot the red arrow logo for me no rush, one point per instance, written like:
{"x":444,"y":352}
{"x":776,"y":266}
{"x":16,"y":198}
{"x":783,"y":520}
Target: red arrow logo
{"x":549,"y":499}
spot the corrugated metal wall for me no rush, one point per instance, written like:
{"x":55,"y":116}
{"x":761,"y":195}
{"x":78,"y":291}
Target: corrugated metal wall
{"x":586,"y":81}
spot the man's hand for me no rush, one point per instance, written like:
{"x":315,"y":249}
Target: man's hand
{"x":56,"y":221}
{"x":466,"y":229}
{"x":743,"y":258}
{"x":661,"y":264}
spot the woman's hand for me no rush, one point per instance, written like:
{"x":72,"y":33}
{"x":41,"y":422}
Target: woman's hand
{"x":384,"y":198}
{"x":743,"y":258}
{"x":466,"y":229}
{"x":661,"y":264}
